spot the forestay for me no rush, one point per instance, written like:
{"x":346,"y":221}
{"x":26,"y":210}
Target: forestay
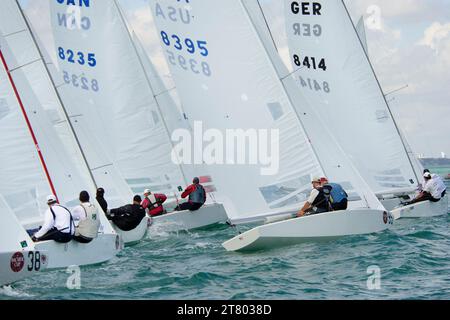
{"x":230,"y":52}
{"x":111,"y":103}
{"x":333,"y":72}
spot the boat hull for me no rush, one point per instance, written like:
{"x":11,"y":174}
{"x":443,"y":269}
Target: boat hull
{"x":321,"y":227}
{"x":189,"y":220}
{"x":102,"y":249}
{"x":15,"y":266}
{"x":135,"y":235}
{"x":424,"y":209}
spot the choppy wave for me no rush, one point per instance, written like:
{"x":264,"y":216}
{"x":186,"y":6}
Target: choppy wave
{"x":413,"y":260}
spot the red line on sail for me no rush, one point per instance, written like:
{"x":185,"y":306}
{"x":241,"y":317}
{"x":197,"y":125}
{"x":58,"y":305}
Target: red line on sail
{"x":27,"y":120}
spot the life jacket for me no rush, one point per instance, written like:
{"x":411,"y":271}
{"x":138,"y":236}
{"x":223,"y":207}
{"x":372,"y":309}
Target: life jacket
{"x":88,"y":228}
{"x":322,"y":201}
{"x":199,"y":195}
{"x":337,"y":193}
{"x":154,"y":207}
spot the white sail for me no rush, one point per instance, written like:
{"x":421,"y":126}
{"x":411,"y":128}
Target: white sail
{"x":417,"y":166}
{"x":333,"y":158}
{"x":47,"y":166}
{"x":230,"y":52}
{"x":111,"y":100}
{"x":361,"y":30}
{"x":174,"y":116}
{"x":333,"y":72}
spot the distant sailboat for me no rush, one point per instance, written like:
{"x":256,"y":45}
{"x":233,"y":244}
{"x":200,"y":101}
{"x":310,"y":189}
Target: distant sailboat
{"x":35,"y":158}
{"x":228,"y":80}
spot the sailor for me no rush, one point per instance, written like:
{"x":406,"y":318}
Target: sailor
{"x":101,"y":199}
{"x":338,"y":196}
{"x":439,"y":182}
{"x":319,"y":200}
{"x":128,"y":217}
{"x":58,"y":223}
{"x":432,"y":190}
{"x":89,"y":221}
{"x":197,"y":197}
{"x":154,"y":203}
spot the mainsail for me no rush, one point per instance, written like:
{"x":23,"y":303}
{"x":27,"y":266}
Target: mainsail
{"x":202,"y":59}
{"x":111,"y":102}
{"x":333,"y":72}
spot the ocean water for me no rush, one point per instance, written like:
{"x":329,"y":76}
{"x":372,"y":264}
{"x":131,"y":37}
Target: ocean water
{"x":413,"y":259}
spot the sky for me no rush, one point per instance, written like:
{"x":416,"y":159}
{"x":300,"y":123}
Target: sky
{"x":409,"y":45}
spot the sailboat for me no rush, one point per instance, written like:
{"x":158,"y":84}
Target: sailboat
{"x":232,"y":51}
{"x":18,"y":257}
{"x":333,"y":71}
{"x":35,"y":159}
{"x":121,"y":121}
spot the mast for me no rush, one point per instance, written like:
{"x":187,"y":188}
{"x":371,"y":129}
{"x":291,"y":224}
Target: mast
{"x":27,"y":120}
{"x":66,"y":115}
{"x":141,"y":63}
{"x":381,"y":90}
{"x":281,"y":80}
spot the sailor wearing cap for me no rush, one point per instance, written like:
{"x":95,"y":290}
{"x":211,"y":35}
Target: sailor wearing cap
{"x":432,"y":191}
{"x":58,"y":223}
{"x":318,"y":201}
{"x":153,"y":203}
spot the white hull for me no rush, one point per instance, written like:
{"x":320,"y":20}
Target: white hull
{"x":422,"y":209}
{"x":15,"y":266}
{"x":391,"y":204}
{"x":325,"y":226}
{"x":135,"y":235}
{"x":102,"y":249}
{"x":188,"y":220}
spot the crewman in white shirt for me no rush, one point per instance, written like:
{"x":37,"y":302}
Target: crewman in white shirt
{"x":58,"y":223}
{"x":432,"y":190}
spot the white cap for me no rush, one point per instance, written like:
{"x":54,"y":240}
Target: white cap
{"x":51,"y":199}
{"x":315,"y":179}
{"x":147,"y":191}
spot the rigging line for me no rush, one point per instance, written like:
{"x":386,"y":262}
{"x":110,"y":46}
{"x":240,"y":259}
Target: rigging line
{"x":24,"y":65}
{"x":30,"y":128}
{"x":14,"y":33}
{"x":291,"y":73}
{"x":164,"y":92}
{"x":267,"y":25}
{"x":397,"y":90}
